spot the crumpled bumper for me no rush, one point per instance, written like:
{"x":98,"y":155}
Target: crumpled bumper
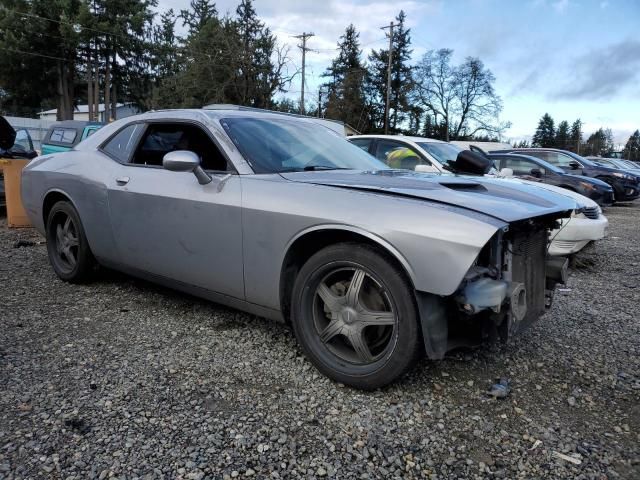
{"x":575,"y":233}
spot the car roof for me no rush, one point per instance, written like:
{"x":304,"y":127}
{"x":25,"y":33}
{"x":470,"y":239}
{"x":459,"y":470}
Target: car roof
{"x":75,"y":124}
{"x":400,"y":137}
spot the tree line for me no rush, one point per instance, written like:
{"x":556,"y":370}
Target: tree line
{"x":570,"y":137}
{"x":62,"y":53}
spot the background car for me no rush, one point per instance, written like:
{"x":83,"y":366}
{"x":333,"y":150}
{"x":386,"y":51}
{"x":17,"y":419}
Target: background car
{"x":536,"y":169}
{"x":626,"y":185}
{"x":421,"y":154}
{"x":275,"y":216}
{"x":586,"y":224}
{"x":63,"y":136}
{"x":617,"y":163}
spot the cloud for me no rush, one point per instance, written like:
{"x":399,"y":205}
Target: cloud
{"x":602,"y":74}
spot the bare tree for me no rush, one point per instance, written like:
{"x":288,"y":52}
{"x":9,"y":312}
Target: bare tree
{"x":462,"y":96}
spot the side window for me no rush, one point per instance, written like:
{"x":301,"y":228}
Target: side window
{"x":521,"y":166}
{"x":363,"y":143}
{"x":162,"y":138}
{"x":122,"y":144}
{"x":23,"y":139}
{"x":554,"y":158}
{"x":398,"y":155}
{"x":90,"y":131}
{"x":63,"y":135}
{"x":384,"y":148}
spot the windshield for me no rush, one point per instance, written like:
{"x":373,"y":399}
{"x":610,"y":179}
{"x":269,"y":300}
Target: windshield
{"x":275,"y":145}
{"x":442,"y":152}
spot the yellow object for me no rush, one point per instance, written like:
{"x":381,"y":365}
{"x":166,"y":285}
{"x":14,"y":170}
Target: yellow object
{"x":402,"y":157}
{"x":12,"y":168}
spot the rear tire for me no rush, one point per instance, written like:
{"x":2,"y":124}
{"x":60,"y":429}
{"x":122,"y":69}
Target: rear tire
{"x":355,"y":316}
{"x":67,"y":246}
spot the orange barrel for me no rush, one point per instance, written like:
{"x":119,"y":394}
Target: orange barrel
{"x":12,"y":168}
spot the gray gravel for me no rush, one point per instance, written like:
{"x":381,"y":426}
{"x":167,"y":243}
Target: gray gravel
{"x":123,"y":379}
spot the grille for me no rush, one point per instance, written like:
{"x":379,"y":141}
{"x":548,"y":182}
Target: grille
{"x":529,"y":252}
{"x":591,"y":212}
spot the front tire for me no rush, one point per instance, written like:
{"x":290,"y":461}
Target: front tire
{"x":355,"y":317}
{"x":67,"y":245}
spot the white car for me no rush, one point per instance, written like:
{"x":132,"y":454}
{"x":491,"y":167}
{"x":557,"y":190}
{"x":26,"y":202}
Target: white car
{"x":587,"y":223}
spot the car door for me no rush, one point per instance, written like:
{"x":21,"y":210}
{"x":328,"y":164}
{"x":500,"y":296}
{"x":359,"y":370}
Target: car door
{"x":166,"y":223}
{"x":522,"y":167}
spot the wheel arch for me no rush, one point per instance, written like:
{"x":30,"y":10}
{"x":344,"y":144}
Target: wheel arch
{"x":311,"y":240}
{"x":52,"y":197}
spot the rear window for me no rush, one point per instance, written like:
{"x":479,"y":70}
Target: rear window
{"x":63,"y":135}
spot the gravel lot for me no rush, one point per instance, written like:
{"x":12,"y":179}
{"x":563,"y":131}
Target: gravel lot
{"x":123,"y":379}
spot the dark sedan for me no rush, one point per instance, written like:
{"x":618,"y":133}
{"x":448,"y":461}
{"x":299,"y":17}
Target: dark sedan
{"x":625,"y":185}
{"x":528,"y":166}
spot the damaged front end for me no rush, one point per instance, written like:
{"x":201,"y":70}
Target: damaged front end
{"x":509,"y":286}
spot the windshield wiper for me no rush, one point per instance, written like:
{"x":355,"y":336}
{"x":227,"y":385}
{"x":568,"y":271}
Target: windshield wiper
{"x":313,"y":168}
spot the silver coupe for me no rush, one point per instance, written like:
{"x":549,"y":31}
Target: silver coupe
{"x":281,"y":217}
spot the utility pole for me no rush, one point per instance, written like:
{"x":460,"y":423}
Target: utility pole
{"x":388,"y":103}
{"x":319,"y":101}
{"x":304,"y":48}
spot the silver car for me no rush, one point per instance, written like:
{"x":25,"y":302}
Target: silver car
{"x":281,"y":217}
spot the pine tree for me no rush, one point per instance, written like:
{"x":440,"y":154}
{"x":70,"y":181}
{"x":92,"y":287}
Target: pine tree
{"x":632,"y":148}
{"x":545,"y":133}
{"x":575,"y":137}
{"x":346,"y":86}
{"x":562,"y":135}
{"x":198,"y":14}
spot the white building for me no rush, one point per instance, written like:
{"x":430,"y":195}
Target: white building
{"x":82,"y":112}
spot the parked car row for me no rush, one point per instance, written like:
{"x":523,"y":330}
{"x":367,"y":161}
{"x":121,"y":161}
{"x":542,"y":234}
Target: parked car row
{"x":587,"y":222}
{"x":373,"y":258}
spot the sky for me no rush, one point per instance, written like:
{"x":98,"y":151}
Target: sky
{"x":569,"y":58}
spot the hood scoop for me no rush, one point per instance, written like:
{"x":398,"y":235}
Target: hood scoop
{"x":465,"y":186}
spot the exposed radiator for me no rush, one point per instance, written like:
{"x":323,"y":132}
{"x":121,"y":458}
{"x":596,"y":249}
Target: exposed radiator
{"x":529,"y":252}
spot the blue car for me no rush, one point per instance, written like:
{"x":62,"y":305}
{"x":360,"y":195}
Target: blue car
{"x":625,"y":184}
{"x":63,"y":136}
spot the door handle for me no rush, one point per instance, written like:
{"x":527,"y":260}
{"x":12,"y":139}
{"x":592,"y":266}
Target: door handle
{"x":122,"y":180}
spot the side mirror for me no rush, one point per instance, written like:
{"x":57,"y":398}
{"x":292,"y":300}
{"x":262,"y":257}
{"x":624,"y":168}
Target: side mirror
{"x":574,"y":165}
{"x":185,"y":161}
{"x":536,"y":172}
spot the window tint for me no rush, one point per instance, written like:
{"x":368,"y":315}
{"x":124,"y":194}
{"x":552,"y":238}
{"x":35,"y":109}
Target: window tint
{"x":121,"y":146}
{"x":554,"y":158}
{"x":363,"y":143}
{"x":279,"y":144}
{"x":63,"y":135}
{"x":162,"y":138}
{"x":443,"y":152}
{"x":23,"y":139}
{"x":385,"y":147}
{"x":91,"y":131}
{"x":521,"y":166}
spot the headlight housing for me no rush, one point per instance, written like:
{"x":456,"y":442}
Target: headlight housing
{"x":625,"y":176}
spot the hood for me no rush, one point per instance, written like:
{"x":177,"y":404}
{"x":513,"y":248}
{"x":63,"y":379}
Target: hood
{"x":594,"y":181}
{"x":7,"y":134}
{"x":580,"y":199}
{"x":504,"y":200}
